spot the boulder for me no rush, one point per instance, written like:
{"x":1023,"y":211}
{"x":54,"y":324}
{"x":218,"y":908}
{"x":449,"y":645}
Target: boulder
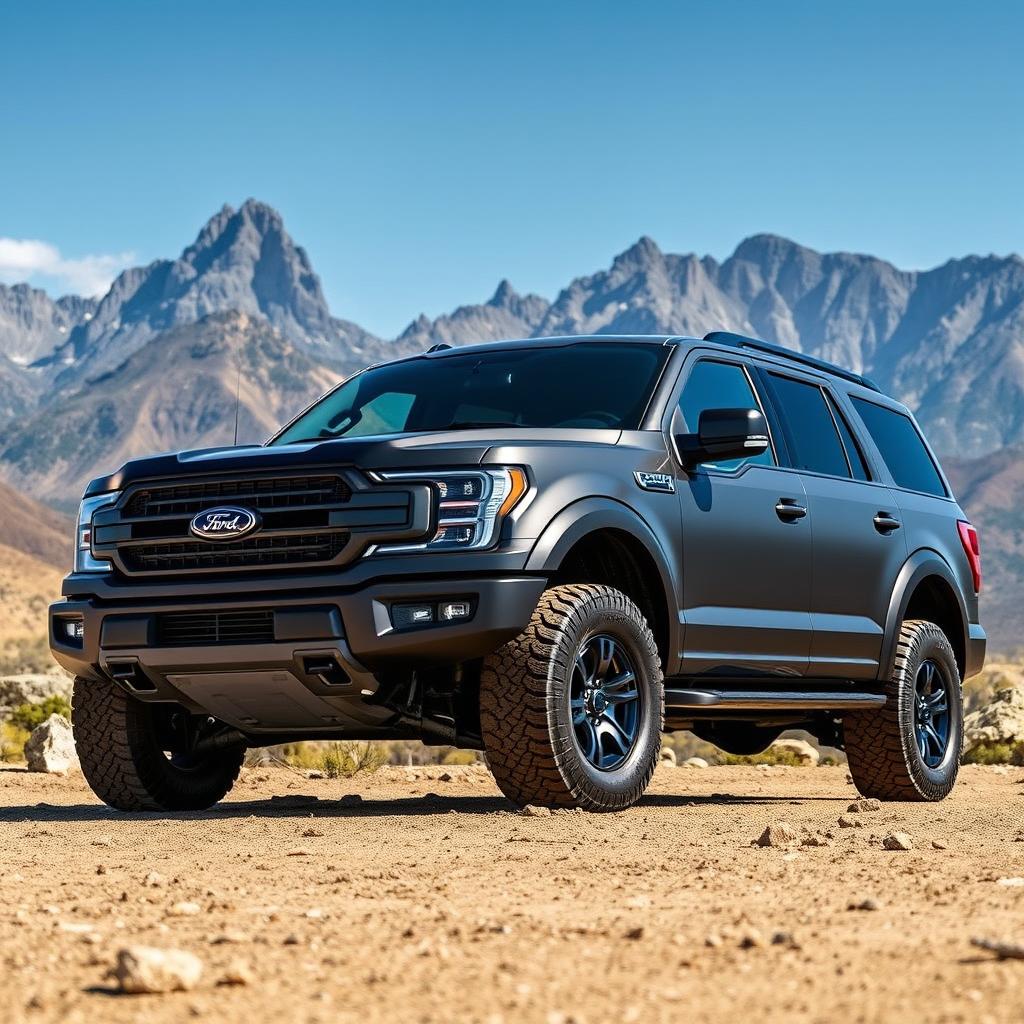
{"x":668,"y":757}
{"x":801,"y":748}
{"x":32,"y":688}
{"x":999,"y":721}
{"x":695,"y":762}
{"x":51,"y":747}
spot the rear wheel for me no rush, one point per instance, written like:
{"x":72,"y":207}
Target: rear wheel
{"x":571,"y":710}
{"x":910,"y":748}
{"x":141,"y":757}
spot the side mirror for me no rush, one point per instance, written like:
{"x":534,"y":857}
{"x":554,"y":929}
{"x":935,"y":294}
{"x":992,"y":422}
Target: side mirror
{"x":724,"y":434}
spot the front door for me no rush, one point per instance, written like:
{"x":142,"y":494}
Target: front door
{"x":746,"y":545}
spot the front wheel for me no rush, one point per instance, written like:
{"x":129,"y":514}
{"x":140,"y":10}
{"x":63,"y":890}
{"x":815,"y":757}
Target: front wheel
{"x":571,"y":710}
{"x":910,"y":748}
{"x":133,"y":760}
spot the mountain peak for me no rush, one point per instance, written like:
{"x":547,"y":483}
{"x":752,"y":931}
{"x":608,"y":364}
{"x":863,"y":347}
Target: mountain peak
{"x":504,"y":295}
{"x":643,"y":251}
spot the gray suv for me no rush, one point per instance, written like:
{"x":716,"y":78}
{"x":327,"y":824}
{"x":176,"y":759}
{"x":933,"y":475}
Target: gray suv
{"x":549,"y":550}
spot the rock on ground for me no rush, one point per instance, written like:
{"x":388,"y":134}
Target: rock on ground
{"x":898,"y":841}
{"x":668,"y":757}
{"x":999,"y":721}
{"x":51,"y":747}
{"x":780,"y":834}
{"x":695,"y":762}
{"x":141,"y":969}
{"x":801,"y":748}
{"x":32,"y":688}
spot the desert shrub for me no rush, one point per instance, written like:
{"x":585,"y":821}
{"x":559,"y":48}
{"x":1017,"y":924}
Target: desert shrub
{"x":344,"y":760}
{"x":459,"y":757}
{"x":28,"y":716}
{"x":12,"y":742}
{"x":773,"y":755}
{"x":26,"y":654}
{"x":996,"y":753}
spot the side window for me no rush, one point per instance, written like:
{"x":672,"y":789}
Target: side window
{"x":714,"y":385}
{"x":902,"y":448}
{"x":853,"y":453}
{"x":810,"y":429}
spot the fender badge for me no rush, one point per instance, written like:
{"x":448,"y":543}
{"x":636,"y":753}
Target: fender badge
{"x":662,"y":482}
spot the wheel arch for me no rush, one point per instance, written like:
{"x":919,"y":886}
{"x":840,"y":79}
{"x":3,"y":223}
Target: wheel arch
{"x":926,"y":588}
{"x":614,"y":545}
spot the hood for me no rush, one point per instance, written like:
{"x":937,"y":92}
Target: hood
{"x":395,"y":451}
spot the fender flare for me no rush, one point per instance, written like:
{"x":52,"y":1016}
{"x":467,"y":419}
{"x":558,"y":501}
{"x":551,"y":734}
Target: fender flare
{"x":922,"y":563}
{"x":588,"y":515}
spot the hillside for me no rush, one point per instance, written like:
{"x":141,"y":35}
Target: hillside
{"x":35,"y":529}
{"x":27,"y":587}
{"x":177,"y":391}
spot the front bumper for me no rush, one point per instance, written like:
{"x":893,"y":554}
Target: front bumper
{"x":313,"y":671}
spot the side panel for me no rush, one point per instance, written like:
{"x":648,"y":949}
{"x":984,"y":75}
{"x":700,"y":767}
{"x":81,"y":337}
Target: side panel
{"x":746,"y":573}
{"x":855,"y":569}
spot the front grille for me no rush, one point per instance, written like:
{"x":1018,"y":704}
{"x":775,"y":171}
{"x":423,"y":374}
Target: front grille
{"x":307,"y":520}
{"x":298,"y":549}
{"x":189,"y":629}
{"x":262,"y":493}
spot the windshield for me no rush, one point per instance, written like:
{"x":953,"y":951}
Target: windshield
{"x":596,"y":385}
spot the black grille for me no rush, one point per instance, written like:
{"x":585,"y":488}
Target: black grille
{"x":255,"y":551}
{"x":263,"y":493}
{"x":187,"y":629}
{"x":307,"y":519}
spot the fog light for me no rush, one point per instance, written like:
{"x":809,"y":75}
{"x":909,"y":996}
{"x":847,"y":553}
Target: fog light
{"x":453,"y":610}
{"x":405,"y":615}
{"x":75,"y":629}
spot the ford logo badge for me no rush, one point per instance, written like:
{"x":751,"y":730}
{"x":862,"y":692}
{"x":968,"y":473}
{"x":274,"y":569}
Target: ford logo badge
{"x":224,"y":523}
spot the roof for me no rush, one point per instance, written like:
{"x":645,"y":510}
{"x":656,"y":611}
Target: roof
{"x":726,"y":339}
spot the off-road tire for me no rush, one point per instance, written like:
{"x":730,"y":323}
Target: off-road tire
{"x":524,"y":703}
{"x":881,"y":747}
{"x":124,"y":764}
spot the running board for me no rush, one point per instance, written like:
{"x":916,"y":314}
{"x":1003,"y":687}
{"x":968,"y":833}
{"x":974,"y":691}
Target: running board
{"x":772,"y":700}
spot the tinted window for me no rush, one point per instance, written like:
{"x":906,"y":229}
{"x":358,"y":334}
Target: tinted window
{"x":713,"y":385}
{"x":853,"y":452}
{"x":597,"y":385}
{"x":811,"y":432}
{"x":901,"y":447}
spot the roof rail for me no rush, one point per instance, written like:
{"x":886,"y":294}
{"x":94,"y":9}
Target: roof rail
{"x":742,"y":341}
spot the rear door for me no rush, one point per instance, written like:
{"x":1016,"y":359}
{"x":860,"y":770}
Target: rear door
{"x":746,"y":543}
{"x":856,"y":527}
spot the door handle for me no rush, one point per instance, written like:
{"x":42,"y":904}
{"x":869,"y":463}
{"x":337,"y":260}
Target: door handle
{"x":886,"y":523}
{"x":787,"y":508}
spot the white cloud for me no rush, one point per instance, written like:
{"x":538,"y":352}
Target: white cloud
{"x":26,"y":259}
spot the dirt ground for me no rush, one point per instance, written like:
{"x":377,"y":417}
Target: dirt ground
{"x":432,"y":900}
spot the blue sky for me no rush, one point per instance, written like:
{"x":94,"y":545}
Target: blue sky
{"x":422,"y":151}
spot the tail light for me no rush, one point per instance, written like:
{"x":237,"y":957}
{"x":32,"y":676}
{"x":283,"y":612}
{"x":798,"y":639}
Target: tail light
{"x":969,"y":539}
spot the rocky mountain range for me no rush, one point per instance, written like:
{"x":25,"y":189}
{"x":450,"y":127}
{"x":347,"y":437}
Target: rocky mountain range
{"x":154,"y":364}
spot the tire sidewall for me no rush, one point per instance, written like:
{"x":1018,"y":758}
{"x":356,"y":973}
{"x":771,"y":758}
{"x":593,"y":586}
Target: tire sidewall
{"x":612,"y":614}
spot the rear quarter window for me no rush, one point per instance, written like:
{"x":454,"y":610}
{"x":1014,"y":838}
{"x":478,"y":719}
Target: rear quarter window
{"x":902,"y":448}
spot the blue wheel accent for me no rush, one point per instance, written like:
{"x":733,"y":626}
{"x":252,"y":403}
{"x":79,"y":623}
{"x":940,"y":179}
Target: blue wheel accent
{"x":606,"y":703}
{"x":931,"y":713}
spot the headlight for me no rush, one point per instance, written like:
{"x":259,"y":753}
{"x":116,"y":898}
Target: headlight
{"x":470,"y":505}
{"x":84,"y":559}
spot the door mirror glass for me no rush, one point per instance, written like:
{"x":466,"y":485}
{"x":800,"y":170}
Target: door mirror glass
{"x":724,"y":434}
